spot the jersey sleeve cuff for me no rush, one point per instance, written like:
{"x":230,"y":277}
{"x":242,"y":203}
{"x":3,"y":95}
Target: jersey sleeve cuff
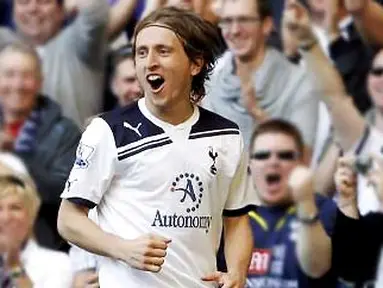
{"x":237,"y":212}
{"x":82,"y":202}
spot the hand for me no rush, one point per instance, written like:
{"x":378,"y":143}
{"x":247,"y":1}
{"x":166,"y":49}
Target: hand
{"x":146,"y":252}
{"x":296,"y":23}
{"x":301,"y":184}
{"x":332,"y":17}
{"x":248,"y":94}
{"x":355,"y":7}
{"x":86,"y":279}
{"x":346,"y":179}
{"x":225,"y":280}
{"x":375,"y":177}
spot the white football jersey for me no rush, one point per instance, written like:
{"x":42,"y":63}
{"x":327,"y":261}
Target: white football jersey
{"x":148,"y":176}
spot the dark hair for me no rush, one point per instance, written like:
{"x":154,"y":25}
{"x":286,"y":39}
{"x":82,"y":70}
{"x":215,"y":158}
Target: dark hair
{"x":264,"y":8}
{"x":279,"y":126}
{"x":120,"y":55}
{"x":199,"y":38}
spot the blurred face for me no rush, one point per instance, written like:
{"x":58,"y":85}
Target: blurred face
{"x":273,"y":157}
{"x":318,"y":6}
{"x":183,"y":4}
{"x":125,"y":83}
{"x":15,"y":223}
{"x":163,"y":69}
{"x":242,"y":28}
{"x":38,"y":20}
{"x":375,"y":81}
{"x":19,"y":82}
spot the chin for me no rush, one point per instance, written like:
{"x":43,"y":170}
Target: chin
{"x":273,"y":199}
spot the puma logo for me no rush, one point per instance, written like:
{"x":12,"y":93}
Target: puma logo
{"x":134,"y":129}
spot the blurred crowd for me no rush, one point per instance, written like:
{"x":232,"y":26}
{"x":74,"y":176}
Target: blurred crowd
{"x":302,"y":79}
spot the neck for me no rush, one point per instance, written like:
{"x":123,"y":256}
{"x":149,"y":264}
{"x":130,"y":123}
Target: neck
{"x":319,"y":17}
{"x":253,"y":61}
{"x":379,"y":118}
{"x":12,"y":117}
{"x":176,"y":114}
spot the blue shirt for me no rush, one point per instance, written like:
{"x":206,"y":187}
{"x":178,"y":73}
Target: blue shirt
{"x":274,"y":263}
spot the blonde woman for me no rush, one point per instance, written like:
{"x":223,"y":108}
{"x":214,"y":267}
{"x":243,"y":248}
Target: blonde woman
{"x":25,"y":263}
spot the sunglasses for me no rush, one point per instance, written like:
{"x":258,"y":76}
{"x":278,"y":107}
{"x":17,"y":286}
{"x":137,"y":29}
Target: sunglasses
{"x":376,"y":71}
{"x":284,"y":155}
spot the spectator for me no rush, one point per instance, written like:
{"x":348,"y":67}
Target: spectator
{"x":73,"y":58}
{"x":353,"y":231}
{"x":351,"y":131}
{"x":124,"y":82}
{"x":33,"y":128}
{"x":26,"y":263}
{"x":293,"y":224}
{"x":253,"y":82}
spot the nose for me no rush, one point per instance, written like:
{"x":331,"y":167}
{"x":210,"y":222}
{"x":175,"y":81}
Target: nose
{"x":5,"y":215}
{"x":152,"y":60}
{"x":31,"y":6}
{"x":234,"y":27}
{"x":273,"y":160}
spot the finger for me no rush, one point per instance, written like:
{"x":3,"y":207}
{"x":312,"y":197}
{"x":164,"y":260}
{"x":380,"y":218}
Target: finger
{"x":93,"y":285}
{"x":156,"y":253}
{"x":159,"y":238}
{"x":347,"y":174}
{"x":157,"y":261}
{"x":157,"y":244}
{"x":216,"y":276}
{"x":346,"y":161}
{"x":92,"y":278}
{"x":152,"y":268}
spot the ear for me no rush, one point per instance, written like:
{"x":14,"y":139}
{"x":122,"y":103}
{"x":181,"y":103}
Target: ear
{"x":113,"y":86}
{"x":197,"y":65}
{"x":267,"y":26}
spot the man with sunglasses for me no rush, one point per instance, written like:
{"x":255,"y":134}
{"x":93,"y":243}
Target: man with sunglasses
{"x":292,"y":225}
{"x":254,"y":82}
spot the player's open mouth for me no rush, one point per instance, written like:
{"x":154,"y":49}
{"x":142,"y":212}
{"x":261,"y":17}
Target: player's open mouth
{"x":273,"y":178}
{"x":156,"y":82}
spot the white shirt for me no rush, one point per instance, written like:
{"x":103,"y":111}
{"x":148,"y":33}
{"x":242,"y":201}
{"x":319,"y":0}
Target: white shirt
{"x":148,"y":176}
{"x":371,"y":143}
{"x":45,"y":267}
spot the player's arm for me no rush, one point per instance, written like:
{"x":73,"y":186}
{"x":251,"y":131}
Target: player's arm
{"x":237,"y":227}
{"x":313,"y":245}
{"x":238,"y":230}
{"x":88,"y":182}
{"x":74,"y":225}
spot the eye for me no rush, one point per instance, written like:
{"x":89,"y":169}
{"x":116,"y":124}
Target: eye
{"x":141,"y":52}
{"x":164,"y":51}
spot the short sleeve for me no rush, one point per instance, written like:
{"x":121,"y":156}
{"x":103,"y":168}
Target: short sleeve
{"x":240,"y":196}
{"x":327,"y":214}
{"x":94,"y":166}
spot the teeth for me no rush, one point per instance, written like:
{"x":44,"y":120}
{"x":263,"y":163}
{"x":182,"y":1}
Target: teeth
{"x":154,"y":77}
